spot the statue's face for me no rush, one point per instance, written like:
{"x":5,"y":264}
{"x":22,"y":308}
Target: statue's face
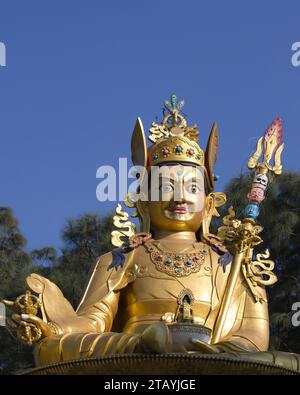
{"x":179,"y":199}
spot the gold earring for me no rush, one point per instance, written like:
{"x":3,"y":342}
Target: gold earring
{"x":208,"y":213}
{"x":213,"y":201}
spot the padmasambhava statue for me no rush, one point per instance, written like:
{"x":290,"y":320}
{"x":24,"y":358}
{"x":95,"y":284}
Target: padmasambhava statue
{"x":174,"y":287}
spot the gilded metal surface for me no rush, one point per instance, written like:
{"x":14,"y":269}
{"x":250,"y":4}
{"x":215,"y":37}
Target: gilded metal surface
{"x":27,"y":304}
{"x":147,"y":364}
{"x":270,"y":145}
{"x":174,"y":264}
{"x":243,"y":237}
{"x":173,"y":124}
{"x":259,"y":271}
{"x":125,"y":228}
{"x":183,"y":332}
{"x":184,"y":312}
{"x":130,"y":307}
{"x":174,"y":149}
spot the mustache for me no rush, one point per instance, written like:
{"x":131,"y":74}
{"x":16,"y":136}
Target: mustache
{"x":179,"y":206}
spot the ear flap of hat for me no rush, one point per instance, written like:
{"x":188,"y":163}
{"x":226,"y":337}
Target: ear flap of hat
{"x":139,"y":145}
{"x":139,"y":152}
{"x":211,"y":155}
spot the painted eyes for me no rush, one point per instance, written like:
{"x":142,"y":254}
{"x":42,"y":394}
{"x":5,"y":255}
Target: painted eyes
{"x":193,"y":188}
{"x":166,"y":187}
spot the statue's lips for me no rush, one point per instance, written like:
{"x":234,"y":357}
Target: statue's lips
{"x":178,"y":209}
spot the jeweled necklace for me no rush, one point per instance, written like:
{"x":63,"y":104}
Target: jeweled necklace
{"x":176,"y":264}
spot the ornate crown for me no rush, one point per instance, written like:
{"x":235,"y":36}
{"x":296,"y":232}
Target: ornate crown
{"x":174,"y":141}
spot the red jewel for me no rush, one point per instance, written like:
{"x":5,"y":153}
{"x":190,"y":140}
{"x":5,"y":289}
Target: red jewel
{"x":191,"y":151}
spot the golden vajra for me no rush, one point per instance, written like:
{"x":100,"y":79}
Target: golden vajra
{"x":27,"y":304}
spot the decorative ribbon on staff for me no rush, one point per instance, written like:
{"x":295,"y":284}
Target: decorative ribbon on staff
{"x":244,"y":234}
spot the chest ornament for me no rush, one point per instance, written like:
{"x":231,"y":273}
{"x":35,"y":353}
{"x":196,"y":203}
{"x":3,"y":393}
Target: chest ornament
{"x":176,"y":264}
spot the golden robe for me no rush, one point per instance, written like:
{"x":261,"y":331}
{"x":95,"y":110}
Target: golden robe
{"x":120,"y":303}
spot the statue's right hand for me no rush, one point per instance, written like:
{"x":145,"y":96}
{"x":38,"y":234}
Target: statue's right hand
{"x":28,"y":326}
{"x":55,"y":307}
{"x":29,"y":320}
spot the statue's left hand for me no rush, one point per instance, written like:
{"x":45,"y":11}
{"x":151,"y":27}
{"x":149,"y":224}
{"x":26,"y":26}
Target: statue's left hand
{"x":227,"y":347}
{"x":206,"y":348}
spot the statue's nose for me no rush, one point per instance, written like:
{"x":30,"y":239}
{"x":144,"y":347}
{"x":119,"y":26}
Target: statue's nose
{"x":179,"y":195}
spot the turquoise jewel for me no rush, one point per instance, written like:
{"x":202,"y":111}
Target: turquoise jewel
{"x":174,"y":101}
{"x":168,"y":261}
{"x":252,"y":211}
{"x":155,"y":157}
{"x":199,"y":157}
{"x":178,"y":256}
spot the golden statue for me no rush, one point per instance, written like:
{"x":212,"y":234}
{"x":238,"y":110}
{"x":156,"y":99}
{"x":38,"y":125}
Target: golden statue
{"x":174,"y":287}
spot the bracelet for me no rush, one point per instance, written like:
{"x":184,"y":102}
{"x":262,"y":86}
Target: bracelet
{"x":54,"y":328}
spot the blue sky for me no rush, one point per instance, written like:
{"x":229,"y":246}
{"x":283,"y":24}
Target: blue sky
{"x":79,"y":73}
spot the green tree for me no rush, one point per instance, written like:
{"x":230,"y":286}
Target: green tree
{"x":84,"y":238}
{"x":15,"y":265}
